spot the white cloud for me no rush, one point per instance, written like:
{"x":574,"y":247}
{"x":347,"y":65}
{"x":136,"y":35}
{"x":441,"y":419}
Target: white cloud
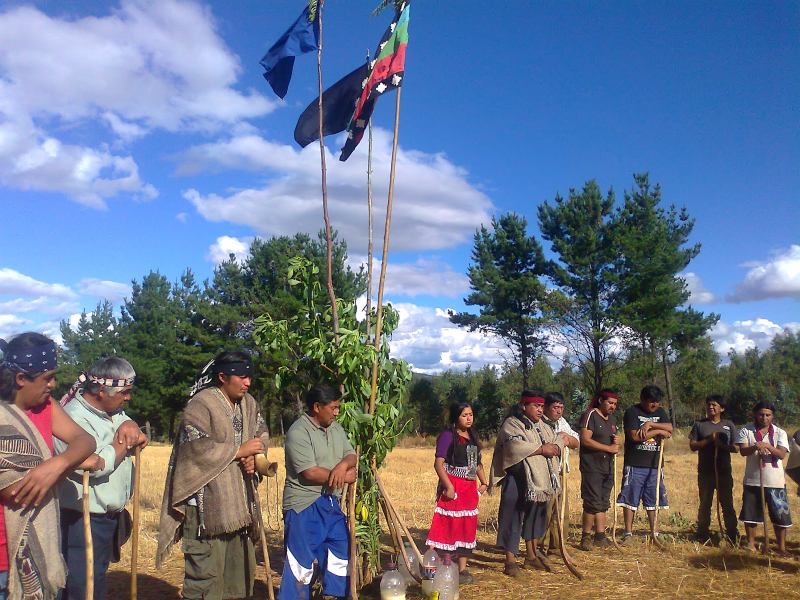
{"x":423,"y":277}
{"x":698,"y":292}
{"x":776,"y":278}
{"x":427,"y":340}
{"x":105,"y":290}
{"x":42,"y":304}
{"x":741,"y":335}
{"x":435,"y":206}
{"x":11,"y":325}
{"x":182,"y":217}
{"x":221,"y":250}
{"x":14,"y":282}
{"x":150,"y":64}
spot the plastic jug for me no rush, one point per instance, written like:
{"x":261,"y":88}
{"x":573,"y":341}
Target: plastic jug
{"x":430,"y":562}
{"x":445,"y":582}
{"x":412,"y":558}
{"x":393,"y":585}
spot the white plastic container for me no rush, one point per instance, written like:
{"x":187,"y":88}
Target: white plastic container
{"x":445,"y":582}
{"x":393,"y":585}
{"x":412,"y":558}
{"x":430,"y":562}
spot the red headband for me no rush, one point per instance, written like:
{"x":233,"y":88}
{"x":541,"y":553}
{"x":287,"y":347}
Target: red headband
{"x":532,"y":400}
{"x":608,"y":395}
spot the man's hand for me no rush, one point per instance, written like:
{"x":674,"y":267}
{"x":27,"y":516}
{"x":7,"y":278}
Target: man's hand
{"x":550,"y":450}
{"x":93,"y":463}
{"x":645,"y":429}
{"x":614,"y":448}
{"x":251,"y":448}
{"x":129,"y":435}
{"x":764,"y":449}
{"x":248,"y":464}
{"x":337,"y":477}
{"x":38,"y":481}
{"x":566,"y":437}
{"x":615,"y":439}
{"x":351,"y":475}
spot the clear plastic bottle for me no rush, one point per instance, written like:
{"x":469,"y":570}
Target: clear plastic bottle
{"x":430,"y":562}
{"x":412,"y":558}
{"x":445,"y":582}
{"x":393,"y":585}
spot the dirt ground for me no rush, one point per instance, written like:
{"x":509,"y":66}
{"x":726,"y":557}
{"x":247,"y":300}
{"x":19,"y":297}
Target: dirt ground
{"x":686,"y":569}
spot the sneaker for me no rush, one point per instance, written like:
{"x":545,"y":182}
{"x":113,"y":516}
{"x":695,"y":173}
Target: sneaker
{"x":465,"y":578}
{"x":512,"y":570}
{"x":627,"y":539}
{"x":586,"y":542}
{"x":601,"y":542}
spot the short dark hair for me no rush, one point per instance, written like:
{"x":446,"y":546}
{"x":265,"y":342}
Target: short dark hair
{"x":322,"y":394}
{"x":719,"y":399}
{"x":651,"y":392}
{"x":764,"y":405}
{"x":19,"y":343}
{"x":553,"y":398}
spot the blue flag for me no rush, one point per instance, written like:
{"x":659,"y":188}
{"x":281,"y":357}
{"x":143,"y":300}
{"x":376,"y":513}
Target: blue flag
{"x":301,"y":37}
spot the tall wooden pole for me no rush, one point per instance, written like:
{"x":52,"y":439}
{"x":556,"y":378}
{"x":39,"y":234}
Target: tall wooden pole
{"x":88,"y":541}
{"x":328,"y":235}
{"x":369,"y":224}
{"x":137,"y":484}
{"x":384,"y":257}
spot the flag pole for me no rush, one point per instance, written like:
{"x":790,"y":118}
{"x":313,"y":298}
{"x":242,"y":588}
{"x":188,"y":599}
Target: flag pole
{"x":369,"y":214}
{"x":384,"y":256}
{"x":328,"y":235}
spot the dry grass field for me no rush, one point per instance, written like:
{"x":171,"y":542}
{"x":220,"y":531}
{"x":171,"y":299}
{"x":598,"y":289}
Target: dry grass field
{"x":686,"y":570}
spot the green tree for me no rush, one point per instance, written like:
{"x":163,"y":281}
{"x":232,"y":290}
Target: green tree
{"x":580,"y":231}
{"x":654,"y":250}
{"x":505,"y":281}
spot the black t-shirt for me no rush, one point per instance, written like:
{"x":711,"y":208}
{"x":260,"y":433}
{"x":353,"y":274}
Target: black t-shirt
{"x":705,"y":456}
{"x":602,"y":432}
{"x":642,"y":454}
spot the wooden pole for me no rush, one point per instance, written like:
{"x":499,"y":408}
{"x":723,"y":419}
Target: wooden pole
{"x":328,"y":234}
{"x":722,"y":534}
{"x":763,"y":501}
{"x":385,"y":258}
{"x":351,"y":530}
{"x":659,"y":544}
{"x":559,"y":508}
{"x":260,"y":524}
{"x":137,"y":479}
{"x":614,"y":505}
{"x":369,"y":224}
{"x":397,"y":520}
{"x":88,"y":542}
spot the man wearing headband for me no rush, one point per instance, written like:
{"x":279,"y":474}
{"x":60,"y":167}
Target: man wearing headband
{"x":95,"y":402}
{"x":646,"y":426}
{"x":554,"y":417}
{"x":526,"y":467}
{"x":207,"y":500}
{"x":599,"y":446}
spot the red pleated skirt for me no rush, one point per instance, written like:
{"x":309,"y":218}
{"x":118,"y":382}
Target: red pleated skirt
{"x":455,"y":522}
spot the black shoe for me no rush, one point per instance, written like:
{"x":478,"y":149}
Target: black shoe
{"x":586,"y":542}
{"x":601,"y":541}
{"x":465,"y":578}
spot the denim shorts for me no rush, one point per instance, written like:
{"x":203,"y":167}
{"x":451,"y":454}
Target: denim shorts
{"x":777,"y":506}
{"x":639,"y":485}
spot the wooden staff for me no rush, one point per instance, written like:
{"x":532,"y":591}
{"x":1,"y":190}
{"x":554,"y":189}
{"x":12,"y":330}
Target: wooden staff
{"x":614,"y":505}
{"x":260,"y":524}
{"x":559,"y":506}
{"x":137,"y":484}
{"x":351,"y":531}
{"x":722,"y":533}
{"x":656,"y":541}
{"x":763,"y":501}
{"x":403,"y":529}
{"x":87,"y":534}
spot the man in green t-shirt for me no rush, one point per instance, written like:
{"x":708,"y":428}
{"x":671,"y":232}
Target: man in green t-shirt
{"x":319,"y":461}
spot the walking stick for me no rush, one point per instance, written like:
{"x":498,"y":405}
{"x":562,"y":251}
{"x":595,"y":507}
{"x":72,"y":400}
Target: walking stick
{"x":763,"y":502}
{"x":656,"y":541}
{"x":722,"y":533}
{"x":559,"y":508}
{"x":260,"y":524}
{"x":137,"y":484}
{"x":614,"y":500}
{"x":87,"y":534}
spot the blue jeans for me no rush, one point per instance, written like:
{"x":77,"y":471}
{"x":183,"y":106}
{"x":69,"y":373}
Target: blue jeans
{"x":73,"y":548}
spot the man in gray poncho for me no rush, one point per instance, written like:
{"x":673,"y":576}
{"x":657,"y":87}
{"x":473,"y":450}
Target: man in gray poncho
{"x":207,"y":500}
{"x":525,"y":464}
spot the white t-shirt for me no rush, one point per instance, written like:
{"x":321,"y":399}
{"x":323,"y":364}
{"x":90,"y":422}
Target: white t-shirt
{"x":773,"y":477}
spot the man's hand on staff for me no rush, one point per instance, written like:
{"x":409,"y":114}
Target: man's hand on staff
{"x":93,"y":463}
{"x":129,"y":435}
{"x":549,"y":450}
{"x":613,"y":447}
{"x":338,"y":476}
{"x":247,"y":452}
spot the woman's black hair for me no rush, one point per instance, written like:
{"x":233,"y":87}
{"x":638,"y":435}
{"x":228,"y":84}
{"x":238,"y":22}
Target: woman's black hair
{"x":456,"y":408}
{"x":19,"y":343}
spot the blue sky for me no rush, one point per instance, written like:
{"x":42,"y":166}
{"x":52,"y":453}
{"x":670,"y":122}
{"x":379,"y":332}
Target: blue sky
{"x":139,"y":135}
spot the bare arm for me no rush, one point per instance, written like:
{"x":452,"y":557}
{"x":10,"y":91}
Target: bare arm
{"x":322,"y":476}
{"x":447,"y":486}
{"x":592,"y":444}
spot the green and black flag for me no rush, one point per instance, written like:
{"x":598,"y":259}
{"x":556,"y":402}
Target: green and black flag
{"x":338,"y":102}
{"x":386,"y":73}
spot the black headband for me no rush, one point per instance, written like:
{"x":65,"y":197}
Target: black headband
{"x":33,"y":360}
{"x":237,"y":366}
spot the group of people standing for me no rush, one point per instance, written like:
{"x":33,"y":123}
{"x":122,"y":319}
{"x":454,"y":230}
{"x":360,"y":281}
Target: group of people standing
{"x":534,"y":439}
{"x":210,"y":496}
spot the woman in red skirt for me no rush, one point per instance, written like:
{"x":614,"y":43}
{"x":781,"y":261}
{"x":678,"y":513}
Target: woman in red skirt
{"x":458,"y":465}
